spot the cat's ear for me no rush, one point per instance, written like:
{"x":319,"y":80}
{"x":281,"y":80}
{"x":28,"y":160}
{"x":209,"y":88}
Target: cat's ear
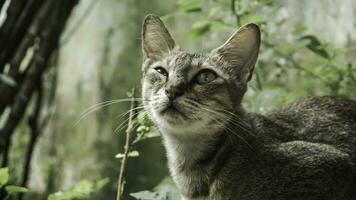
{"x":156,"y":40}
{"x":240,"y":51}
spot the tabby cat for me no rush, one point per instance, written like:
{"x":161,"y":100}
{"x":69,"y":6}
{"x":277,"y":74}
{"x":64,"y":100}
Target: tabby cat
{"x":218,"y":151}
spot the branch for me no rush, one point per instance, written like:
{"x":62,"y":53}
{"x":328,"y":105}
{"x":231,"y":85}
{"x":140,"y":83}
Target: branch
{"x":234,"y":12}
{"x":34,"y":124}
{"x":12,"y":13}
{"x":11,"y":39}
{"x":8,"y":92}
{"x":129,"y":130}
{"x":1,"y":3}
{"x":48,"y":43}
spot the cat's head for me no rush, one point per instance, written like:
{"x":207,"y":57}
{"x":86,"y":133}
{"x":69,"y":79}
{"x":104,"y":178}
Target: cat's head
{"x":193,"y":92}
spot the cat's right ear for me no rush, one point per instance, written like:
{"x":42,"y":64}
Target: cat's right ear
{"x":156,"y":40}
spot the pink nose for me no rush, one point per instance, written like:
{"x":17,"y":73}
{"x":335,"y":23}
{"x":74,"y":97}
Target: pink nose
{"x":173,"y":92}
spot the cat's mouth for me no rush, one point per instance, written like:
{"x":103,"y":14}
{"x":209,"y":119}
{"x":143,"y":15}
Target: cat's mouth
{"x":172,"y":110}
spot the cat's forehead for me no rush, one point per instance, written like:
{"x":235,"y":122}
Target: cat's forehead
{"x":183,"y":61}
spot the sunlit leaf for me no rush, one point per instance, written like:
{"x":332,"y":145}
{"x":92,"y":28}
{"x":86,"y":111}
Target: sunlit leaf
{"x":214,"y":11}
{"x":199,"y":28}
{"x":147,"y":195}
{"x":81,"y":190}
{"x":141,"y":118}
{"x":286,"y":48}
{"x":55,"y":196}
{"x":189,"y":5}
{"x":12,"y":189}
{"x":4,"y":175}
{"x":130,"y":154}
{"x":8,"y":80}
{"x":315,"y":45}
{"x":299,"y":29}
{"x":102,"y":183}
{"x":217,"y":26}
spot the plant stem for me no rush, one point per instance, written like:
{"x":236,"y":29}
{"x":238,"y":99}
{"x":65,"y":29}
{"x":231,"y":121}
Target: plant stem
{"x":234,"y":12}
{"x":129,"y":130}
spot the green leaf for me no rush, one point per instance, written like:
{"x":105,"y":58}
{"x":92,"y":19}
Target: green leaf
{"x":218,"y":25}
{"x":12,"y":189}
{"x":199,"y":28}
{"x":130,"y":154}
{"x":8,"y":80}
{"x":268,"y":2}
{"x":143,"y":129}
{"x":167,"y":187}
{"x":141,"y":118}
{"x":4,"y":176}
{"x":299,"y":29}
{"x":214,"y":11}
{"x":315,"y":46}
{"x":83,"y":189}
{"x":101,"y":183}
{"x":286,"y":48}
{"x":147,"y":195}
{"x":189,"y":5}
{"x":55,"y":196}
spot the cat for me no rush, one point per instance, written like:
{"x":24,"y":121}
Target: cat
{"x":218,"y":151}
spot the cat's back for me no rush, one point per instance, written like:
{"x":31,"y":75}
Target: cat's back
{"x":310,"y":148}
{"x":327,"y":120}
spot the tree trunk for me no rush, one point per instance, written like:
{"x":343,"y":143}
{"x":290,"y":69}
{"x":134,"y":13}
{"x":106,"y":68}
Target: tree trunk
{"x":30,"y":25}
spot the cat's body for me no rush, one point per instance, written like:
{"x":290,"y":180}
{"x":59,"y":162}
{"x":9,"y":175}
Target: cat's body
{"x":306,"y":151}
{"x":216,"y":150}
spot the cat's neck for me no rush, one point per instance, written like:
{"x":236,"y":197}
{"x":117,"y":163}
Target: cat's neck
{"x":192,"y":160}
{"x":193,"y":157}
{"x":186,"y":150}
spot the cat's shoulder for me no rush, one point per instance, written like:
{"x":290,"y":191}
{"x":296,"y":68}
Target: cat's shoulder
{"x":309,"y":107}
{"x":317,"y":105}
{"x":310,"y":118}
{"x":322,"y":102}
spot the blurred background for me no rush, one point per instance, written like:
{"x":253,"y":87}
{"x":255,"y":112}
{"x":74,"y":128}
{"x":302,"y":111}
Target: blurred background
{"x":60,"y":59}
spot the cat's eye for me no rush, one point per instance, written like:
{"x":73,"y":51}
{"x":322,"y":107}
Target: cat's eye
{"x":205,"y":76}
{"x":161,"y":70}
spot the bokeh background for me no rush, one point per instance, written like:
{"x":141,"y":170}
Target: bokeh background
{"x":308,"y":48}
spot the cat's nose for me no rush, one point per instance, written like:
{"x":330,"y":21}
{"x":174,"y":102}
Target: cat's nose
{"x":173,"y":92}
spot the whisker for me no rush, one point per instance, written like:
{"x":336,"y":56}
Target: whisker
{"x":238,"y":122}
{"x":124,"y":123}
{"x":130,"y":110}
{"x":98,"y":106}
{"x":222,"y":124}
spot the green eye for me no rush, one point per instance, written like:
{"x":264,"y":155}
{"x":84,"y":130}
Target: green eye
{"x":161,"y":70}
{"x":205,"y":76}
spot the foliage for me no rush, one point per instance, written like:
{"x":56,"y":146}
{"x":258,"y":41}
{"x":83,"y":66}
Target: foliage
{"x":164,"y":191}
{"x":83,"y":190}
{"x":10,"y":189}
{"x":145,"y":128}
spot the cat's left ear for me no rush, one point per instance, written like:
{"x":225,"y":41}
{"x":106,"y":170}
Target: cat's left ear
{"x":156,"y":40}
{"x":240,"y":51}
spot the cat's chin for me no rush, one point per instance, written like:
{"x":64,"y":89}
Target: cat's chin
{"x":173,"y":123}
{"x":173,"y":119}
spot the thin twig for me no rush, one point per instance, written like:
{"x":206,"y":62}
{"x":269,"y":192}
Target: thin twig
{"x":234,"y":12}
{"x":129,"y":130}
